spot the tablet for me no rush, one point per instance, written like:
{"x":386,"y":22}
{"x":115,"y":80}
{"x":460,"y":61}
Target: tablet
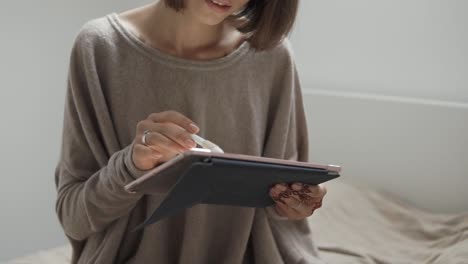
{"x":195,"y":177}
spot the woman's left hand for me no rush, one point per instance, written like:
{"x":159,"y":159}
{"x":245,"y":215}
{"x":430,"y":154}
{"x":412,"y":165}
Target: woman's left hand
{"x":298,"y":200}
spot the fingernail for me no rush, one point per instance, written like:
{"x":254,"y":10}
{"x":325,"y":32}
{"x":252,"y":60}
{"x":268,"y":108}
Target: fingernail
{"x":273,"y":193}
{"x":297,"y":186}
{"x":194,"y":128}
{"x":281,"y":187}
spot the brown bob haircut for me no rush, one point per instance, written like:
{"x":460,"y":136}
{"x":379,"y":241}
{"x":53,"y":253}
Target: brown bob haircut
{"x":266,"y":22}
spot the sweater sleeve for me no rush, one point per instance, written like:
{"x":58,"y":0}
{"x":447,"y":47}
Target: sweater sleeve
{"x":92,"y":168}
{"x":287,"y":128}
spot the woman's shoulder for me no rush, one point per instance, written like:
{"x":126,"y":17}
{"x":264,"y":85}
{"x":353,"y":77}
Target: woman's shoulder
{"x":283,"y":51}
{"x":94,"y":33}
{"x":284,"y":48}
{"x":280,"y":56}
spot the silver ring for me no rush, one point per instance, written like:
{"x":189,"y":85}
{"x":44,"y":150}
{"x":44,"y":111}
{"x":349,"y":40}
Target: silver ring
{"x":143,"y":139}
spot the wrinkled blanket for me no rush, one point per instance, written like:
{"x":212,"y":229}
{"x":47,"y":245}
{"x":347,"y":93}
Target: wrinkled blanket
{"x":361,"y":225}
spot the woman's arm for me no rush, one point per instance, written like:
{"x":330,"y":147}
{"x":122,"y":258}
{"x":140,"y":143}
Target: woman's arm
{"x":89,"y":201}
{"x":92,"y":169}
{"x":288,"y":132}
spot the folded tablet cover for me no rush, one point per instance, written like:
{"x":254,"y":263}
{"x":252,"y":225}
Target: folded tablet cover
{"x":223,"y":181}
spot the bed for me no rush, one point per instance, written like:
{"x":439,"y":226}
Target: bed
{"x":362,"y":225}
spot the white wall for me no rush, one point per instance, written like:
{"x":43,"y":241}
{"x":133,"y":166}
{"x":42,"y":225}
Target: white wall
{"x":409,"y":48}
{"x":399,"y":47}
{"x":34,"y":50}
{"x":414,"y":149}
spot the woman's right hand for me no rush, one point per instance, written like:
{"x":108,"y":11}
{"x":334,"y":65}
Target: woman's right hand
{"x":169,"y":136}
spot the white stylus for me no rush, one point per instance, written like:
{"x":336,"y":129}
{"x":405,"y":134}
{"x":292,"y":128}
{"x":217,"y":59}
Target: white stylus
{"x":206,"y":144}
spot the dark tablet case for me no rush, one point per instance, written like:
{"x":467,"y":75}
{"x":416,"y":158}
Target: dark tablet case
{"x":225,"y":181}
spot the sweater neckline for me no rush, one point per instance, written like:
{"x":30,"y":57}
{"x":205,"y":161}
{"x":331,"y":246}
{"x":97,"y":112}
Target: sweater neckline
{"x":166,"y":58}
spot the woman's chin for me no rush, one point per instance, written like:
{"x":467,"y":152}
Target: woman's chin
{"x":211,"y":20}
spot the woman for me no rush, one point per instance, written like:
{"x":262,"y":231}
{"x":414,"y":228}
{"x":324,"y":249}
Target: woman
{"x":219,"y":68}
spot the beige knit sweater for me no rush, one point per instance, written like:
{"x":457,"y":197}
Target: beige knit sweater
{"x":247,"y":102}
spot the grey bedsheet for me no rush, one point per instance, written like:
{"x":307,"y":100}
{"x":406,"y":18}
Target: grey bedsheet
{"x":358,"y":225}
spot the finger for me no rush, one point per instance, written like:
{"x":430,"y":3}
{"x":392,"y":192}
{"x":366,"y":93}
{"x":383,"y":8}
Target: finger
{"x":175,"y":133}
{"x":291,"y":198}
{"x":297,"y":186}
{"x":289,"y":212}
{"x":274,"y":193}
{"x":314,"y":204}
{"x":176,"y":118}
{"x":309,"y":202}
{"x":315,"y":190}
{"x":145,"y":151}
{"x":280,"y":211}
{"x":146,"y":155}
{"x":276,"y":190}
{"x":169,"y":130}
{"x":318,"y":204}
{"x":302,"y":208}
{"x":281,"y":187}
{"x":290,"y":201}
{"x":163,"y":144}
{"x":299,"y":193}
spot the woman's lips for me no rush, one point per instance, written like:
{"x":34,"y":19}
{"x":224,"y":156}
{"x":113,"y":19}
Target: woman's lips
{"x":221,"y":2}
{"x":218,"y":6}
